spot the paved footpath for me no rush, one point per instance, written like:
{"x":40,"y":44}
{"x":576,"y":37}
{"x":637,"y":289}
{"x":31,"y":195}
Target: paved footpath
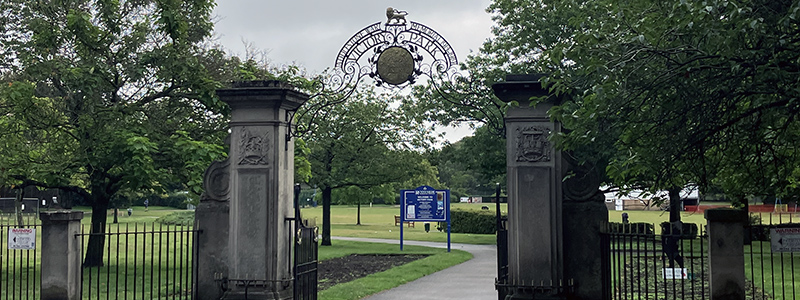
{"x":473,"y":279}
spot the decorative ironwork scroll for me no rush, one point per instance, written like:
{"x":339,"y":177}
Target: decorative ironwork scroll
{"x":397,"y":54}
{"x":394,"y":54}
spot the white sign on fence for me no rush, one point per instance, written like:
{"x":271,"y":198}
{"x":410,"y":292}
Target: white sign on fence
{"x":21,"y":238}
{"x":675,"y":273}
{"x":785,"y":239}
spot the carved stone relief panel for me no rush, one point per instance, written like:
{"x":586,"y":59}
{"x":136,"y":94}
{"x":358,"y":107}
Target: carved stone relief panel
{"x":583,"y":183}
{"x":532,"y":144}
{"x":216,"y":181}
{"x":253,"y":147}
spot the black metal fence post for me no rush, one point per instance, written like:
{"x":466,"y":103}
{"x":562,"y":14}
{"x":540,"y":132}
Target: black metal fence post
{"x":501,"y":283}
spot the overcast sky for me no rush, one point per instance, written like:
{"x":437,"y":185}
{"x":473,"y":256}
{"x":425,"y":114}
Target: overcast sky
{"x":309,"y":33}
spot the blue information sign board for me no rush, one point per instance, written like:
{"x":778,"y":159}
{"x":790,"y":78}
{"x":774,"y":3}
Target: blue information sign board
{"x":425,"y":204}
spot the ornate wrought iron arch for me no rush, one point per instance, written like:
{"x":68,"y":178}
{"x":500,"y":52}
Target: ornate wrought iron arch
{"x":393,"y":44}
{"x":394,"y":53}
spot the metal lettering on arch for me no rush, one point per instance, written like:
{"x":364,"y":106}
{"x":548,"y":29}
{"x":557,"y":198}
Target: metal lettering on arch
{"x":395,"y":55}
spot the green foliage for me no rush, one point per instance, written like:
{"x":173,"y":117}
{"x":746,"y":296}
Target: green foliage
{"x":473,"y":165}
{"x":473,"y":221}
{"x":109,"y":97}
{"x":302,"y":167}
{"x":180,"y":218}
{"x":365,"y":142}
{"x":666,"y":93}
{"x":196,"y":155}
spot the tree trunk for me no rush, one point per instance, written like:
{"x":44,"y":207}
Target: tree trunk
{"x":94,"y":250}
{"x":18,"y":206}
{"x":674,"y":205}
{"x":671,"y":241}
{"x":116,"y":212}
{"x":358,"y":214}
{"x":326,"y":216}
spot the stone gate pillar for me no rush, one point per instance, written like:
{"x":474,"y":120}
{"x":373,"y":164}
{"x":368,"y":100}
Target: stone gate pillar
{"x":553,"y":224}
{"x":252,"y":251}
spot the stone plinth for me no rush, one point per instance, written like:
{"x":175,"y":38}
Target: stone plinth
{"x":61,"y":255}
{"x":726,"y":252}
{"x":253,"y":188}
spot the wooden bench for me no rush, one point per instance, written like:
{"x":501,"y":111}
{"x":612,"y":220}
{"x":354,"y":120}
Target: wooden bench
{"x":397,"y":222}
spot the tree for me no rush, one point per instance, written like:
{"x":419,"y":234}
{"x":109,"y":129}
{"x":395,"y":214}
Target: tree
{"x":473,"y":165}
{"x":107,"y":96}
{"x":364,"y":142}
{"x":388,"y":192}
{"x":665,"y":94}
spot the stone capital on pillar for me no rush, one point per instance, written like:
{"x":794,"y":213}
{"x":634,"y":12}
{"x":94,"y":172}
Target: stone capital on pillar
{"x":260,"y":175}
{"x":61,"y":255}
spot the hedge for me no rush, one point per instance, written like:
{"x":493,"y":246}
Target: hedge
{"x":688,"y":232}
{"x":638,"y":228}
{"x":473,"y":221}
{"x":180,"y":218}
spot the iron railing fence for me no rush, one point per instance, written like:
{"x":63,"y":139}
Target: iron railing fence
{"x":640,"y":264}
{"x":20,"y":270}
{"x":142,"y":261}
{"x":773,"y":274}
{"x":12,"y":218}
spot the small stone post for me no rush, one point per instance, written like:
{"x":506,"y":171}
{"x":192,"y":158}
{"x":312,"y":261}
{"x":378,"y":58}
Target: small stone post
{"x":61,"y":255}
{"x":726,"y":252}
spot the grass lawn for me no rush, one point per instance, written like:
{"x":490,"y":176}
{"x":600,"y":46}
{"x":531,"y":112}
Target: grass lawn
{"x":378,"y":222}
{"x":776,"y":273}
{"x":151,"y":270}
{"x":437,"y":260}
{"x":656,"y":217}
{"x":150,"y":261}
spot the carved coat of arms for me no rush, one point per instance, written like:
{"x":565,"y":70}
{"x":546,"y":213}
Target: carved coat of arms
{"x":253,"y":148}
{"x":532,"y":144}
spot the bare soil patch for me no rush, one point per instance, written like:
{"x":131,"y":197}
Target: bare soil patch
{"x":343,"y":269}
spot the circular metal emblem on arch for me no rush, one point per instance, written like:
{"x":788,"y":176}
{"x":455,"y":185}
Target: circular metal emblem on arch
{"x":395,"y":66}
{"x":394,"y":54}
